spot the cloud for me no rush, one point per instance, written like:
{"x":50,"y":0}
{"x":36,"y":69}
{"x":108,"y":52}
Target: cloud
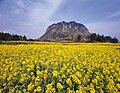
{"x":114,"y":15}
{"x":29,"y":17}
{"x":18,"y":11}
{"x":20,"y":3}
{"x":105,"y":27}
{"x":36,"y":11}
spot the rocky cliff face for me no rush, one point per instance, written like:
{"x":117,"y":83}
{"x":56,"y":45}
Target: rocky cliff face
{"x":66,"y":31}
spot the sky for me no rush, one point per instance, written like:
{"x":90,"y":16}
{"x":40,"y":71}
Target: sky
{"x":32,"y":17}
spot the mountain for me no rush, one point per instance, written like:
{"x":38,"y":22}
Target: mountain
{"x":70,"y":31}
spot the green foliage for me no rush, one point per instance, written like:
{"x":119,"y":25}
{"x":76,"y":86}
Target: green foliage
{"x":114,"y":40}
{"x":102,"y":38}
{"x":7,"y":37}
{"x":24,"y":37}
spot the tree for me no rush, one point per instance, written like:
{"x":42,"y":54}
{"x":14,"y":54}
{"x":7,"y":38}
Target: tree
{"x":24,"y":37}
{"x":114,"y":40}
{"x":7,"y":36}
{"x":79,"y":37}
{"x":108,"y":39}
{"x":102,"y":38}
{"x":93,"y":37}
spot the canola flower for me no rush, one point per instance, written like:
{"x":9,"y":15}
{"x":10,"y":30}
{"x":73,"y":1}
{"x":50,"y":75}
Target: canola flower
{"x":30,"y":86}
{"x":59,"y":86}
{"x":39,"y":89}
{"x":55,"y":73}
{"x":60,"y":68}
{"x":69,"y":82}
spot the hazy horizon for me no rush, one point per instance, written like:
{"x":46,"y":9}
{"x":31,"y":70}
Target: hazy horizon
{"x":31,"y":18}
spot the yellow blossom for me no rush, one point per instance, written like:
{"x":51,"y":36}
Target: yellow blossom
{"x":30,"y":86}
{"x":55,"y":73}
{"x":59,"y":86}
{"x":69,"y":82}
{"x":39,"y":89}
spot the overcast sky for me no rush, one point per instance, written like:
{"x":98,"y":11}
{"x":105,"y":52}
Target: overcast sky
{"x":32,"y":17}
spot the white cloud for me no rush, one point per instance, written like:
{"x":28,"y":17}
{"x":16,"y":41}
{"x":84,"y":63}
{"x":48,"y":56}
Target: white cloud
{"x":18,"y":11}
{"x":37,"y":12}
{"x":114,"y":15}
{"x":20,"y":3}
{"x":43,"y":13}
{"x":30,"y":17}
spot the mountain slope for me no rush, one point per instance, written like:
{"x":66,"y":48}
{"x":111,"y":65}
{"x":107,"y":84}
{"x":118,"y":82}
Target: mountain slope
{"x":66,"y":31}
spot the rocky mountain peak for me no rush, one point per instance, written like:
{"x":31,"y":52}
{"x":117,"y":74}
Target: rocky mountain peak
{"x":66,"y":31}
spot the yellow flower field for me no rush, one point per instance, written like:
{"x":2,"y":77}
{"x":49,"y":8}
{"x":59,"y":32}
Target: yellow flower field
{"x":60,"y":68}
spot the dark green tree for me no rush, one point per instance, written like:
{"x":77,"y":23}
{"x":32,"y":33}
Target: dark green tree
{"x":114,"y":40}
{"x":93,"y":37}
{"x":79,"y":38}
{"x":7,"y":36}
{"x":108,"y":39}
{"x":24,"y":37}
{"x":102,"y":38}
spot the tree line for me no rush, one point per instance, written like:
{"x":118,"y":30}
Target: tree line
{"x":102,"y":38}
{"x":8,"y":37}
{"x":98,"y":38}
